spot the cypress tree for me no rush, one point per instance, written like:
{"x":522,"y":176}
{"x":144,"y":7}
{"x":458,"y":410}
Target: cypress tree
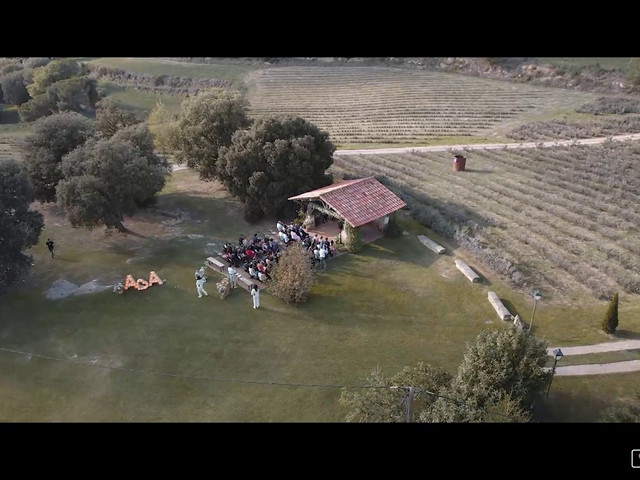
{"x":610,"y":322}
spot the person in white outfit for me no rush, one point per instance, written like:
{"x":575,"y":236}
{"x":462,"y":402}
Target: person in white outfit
{"x":199,"y":273}
{"x":200,"y":287}
{"x":255,"y":293}
{"x":233,"y":277}
{"x":252,"y":272}
{"x":322,"y":255}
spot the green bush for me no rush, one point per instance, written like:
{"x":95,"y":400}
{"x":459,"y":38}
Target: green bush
{"x":354,"y":243}
{"x":633,"y":76}
{"x":611,"y":105}
{"x":293,"y":275}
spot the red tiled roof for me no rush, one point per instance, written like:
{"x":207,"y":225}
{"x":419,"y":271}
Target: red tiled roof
{"x":357,"y":201}
{"x":318,"y":191}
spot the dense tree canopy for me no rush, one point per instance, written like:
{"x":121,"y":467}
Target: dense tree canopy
{"x":207,"y":122}
{"x":53,"y":137}
{"x":386,"y":404}
{"x":19,"y":227}
{"x":54,"y":72}
{"x":278,"y":157}
{"x":500,"y":374}
{"x":14,"y":89}
{"x":498,"y":363}
{"x":110,"y":118}
{"x":74,"y":94}
{"x":60,"y":85}
{"x":105,"y":180}
{"x":35,"y":62}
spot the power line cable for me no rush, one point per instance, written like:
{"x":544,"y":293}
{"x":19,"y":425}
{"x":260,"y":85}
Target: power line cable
{"x":251,"y":382}
{"x":178,"y":375}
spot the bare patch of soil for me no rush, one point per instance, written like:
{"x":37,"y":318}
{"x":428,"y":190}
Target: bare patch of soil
{"x":62,"y":289}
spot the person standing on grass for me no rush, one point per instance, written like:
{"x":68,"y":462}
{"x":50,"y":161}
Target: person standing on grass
{"x":255,"y":293}
{"x":322,"y":255}
{"x":199,"y":273}
{"x":49,"y":245}
{"x":200,"y":286}
{"x":233,"y":277}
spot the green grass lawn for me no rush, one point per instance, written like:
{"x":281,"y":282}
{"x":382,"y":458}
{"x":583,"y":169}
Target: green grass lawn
{"x":165,"y":355}
{"x":604,"y":357}
{"x":141,"y":102}
{"x":583,"y":398}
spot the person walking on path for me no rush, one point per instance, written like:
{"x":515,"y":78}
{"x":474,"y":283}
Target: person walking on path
{"x":233,"y":277}
{"x":49,"y":245}
{"x":200,"y":286}
{"x":255,"y":293}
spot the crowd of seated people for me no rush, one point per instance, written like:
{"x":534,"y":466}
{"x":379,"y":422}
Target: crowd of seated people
{"x":290,"y":233}
{"x":258,"y":255}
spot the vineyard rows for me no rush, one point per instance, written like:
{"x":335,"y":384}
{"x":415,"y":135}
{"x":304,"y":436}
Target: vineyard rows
{"x":566,"y":216}
{"x":369,"y":104}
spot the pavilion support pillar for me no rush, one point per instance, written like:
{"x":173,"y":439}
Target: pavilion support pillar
{"x":309,"y":221}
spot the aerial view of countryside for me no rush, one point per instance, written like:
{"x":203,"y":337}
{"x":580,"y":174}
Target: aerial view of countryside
{"x":320,"y":240}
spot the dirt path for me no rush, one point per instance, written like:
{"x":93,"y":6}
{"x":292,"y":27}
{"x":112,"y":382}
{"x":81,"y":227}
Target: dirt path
{"x":488,"y":146}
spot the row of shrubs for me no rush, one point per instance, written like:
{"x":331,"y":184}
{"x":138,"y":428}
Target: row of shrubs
{"x":455,"y":222}
{"x":611,"y":105}
{"x":167,"y":84}
{"x":562,"y":130}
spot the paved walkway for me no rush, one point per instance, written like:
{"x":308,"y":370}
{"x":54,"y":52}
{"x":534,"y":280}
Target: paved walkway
{"x":599,"y":368}
{"x":599,"y":347}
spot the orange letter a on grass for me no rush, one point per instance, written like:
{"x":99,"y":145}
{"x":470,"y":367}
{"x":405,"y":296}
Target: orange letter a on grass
{"x":130,"y":282}
{"x":153,"y":278}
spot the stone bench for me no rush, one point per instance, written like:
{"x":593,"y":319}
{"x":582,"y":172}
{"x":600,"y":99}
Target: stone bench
{"x":502,"y":311}
{"x":467,"y":271}
{"x":215,"y":264}
{"x":430,"y":244}
{"x":246,"y":282}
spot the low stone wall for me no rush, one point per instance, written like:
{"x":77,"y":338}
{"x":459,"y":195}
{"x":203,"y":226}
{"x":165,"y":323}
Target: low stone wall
{"x":430,"y":244}
{"x":467,"y":271}
{"x":501,"y":310}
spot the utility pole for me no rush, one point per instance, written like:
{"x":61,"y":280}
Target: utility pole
{"x":409,"y":400}
{"x":410,"y":404}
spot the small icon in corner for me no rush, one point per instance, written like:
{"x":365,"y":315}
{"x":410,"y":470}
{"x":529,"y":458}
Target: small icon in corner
{"x":635,"y":458}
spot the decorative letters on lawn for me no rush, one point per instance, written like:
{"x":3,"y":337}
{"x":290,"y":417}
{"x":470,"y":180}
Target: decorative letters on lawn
{"x":141,"y":283}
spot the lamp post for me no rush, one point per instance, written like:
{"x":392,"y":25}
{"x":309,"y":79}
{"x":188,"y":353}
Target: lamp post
{"x":536,"y":297}
{"x":557,"y":355}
